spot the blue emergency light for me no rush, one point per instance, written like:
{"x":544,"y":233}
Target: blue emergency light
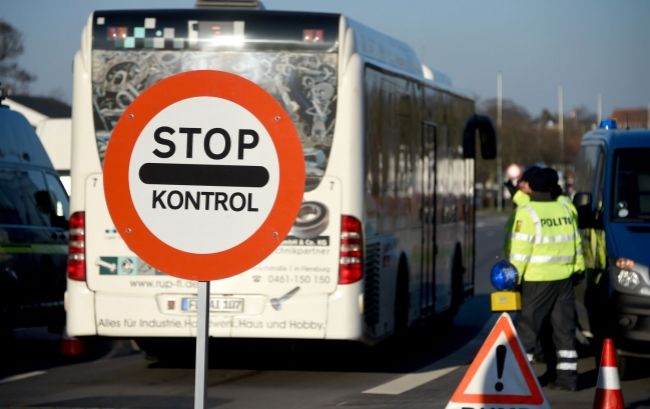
{"x":608,"y":124}
{"x":504,"y":275}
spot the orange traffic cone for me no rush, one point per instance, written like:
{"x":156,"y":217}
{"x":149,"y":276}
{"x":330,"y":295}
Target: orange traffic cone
{"x":608,"y":390}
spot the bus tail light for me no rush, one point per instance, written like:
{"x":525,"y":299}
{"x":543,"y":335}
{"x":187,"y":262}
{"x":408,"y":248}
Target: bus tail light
{"x":77,"y":247}
{"x":351,"y":255}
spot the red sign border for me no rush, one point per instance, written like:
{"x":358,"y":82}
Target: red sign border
{"x":247,"y":254}
{"x":502,"y":326}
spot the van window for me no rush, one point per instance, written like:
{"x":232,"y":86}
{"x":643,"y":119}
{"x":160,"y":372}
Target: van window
{"x":24,"y":198}
{"x":631,"y":184}
{"x":59,"y":199}
{"x":589,"y":170}
{"x":586,"y":165}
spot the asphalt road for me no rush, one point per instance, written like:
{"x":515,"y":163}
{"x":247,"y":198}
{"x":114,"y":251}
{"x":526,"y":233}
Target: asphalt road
{"x":419,"y":370}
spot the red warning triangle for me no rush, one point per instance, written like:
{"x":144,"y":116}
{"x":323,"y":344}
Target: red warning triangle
{"x":500,"y":373}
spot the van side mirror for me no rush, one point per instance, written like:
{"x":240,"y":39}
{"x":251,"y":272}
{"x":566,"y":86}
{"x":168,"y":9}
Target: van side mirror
{"x":586,"y":217}
{"x":486,"y":134}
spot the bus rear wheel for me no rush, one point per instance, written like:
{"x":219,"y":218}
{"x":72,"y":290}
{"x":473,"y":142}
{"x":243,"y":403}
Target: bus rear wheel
{"x":175,"y":350}
{"x":401,"y":310}
{"x":457,"y":290}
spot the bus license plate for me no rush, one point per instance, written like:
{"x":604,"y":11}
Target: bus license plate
{"x":217,"y":304}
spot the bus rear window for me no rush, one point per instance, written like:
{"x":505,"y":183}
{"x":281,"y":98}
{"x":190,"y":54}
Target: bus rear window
{"x":304,"y":82}
{"x":632,"y":184}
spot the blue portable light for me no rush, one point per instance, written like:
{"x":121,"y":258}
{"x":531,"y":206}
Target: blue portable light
{"x":504,"y":275}
{"x":608,"y":124}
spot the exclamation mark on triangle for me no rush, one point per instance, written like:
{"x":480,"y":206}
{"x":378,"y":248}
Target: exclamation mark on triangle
{"x":501,"y":360}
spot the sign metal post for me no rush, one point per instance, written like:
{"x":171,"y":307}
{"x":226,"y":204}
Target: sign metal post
{"x":202,"y":350}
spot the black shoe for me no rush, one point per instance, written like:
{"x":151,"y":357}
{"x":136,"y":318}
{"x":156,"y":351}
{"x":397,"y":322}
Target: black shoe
{"x":562,"y":386}
{"x":546,"y":379}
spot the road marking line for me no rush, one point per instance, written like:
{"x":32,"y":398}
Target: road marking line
{"x":434,"y":370}
{"x":21,"y":376}
{"x":409,"y":381}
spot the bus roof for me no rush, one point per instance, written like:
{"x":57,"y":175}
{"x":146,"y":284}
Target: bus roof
{"x":198,"y":28}
{"x":189,"y":29}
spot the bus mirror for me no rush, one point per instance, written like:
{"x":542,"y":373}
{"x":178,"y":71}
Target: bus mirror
{"x":582,"y":202}
{"x":486,"y":134}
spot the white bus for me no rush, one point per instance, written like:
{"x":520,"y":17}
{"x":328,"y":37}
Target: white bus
{"x":385,"y":235}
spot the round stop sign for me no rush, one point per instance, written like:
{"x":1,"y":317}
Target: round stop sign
{"x":204,"y":175}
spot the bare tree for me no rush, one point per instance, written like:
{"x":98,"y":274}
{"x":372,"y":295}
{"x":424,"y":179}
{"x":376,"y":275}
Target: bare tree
{"x":517,"y":138}
{"x":12,"y":77}
{"x":526,"y":140}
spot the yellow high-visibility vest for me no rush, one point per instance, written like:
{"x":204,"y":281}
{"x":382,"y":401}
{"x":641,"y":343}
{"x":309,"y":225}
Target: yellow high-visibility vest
{"x":594,"y":248}
{"x":521,"y":198}
{"x":544,"y":244}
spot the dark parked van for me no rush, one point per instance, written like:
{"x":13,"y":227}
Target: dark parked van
{"x":612,"y":196}
{"x":34,"y":216}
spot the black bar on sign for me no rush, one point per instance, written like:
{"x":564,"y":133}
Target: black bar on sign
{"x":203,"y":175}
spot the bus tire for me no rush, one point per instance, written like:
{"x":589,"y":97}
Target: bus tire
{"x":401,"y":309}
{"x":174,"y":350}
{"x":457,"y":290}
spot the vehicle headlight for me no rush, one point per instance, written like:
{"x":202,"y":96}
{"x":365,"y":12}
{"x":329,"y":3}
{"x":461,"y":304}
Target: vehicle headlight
{"x":628,"y":279}
{"x":631,"y":277}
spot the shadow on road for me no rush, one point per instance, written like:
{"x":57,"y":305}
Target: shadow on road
{"x":401,"y":354}
{"x":35,"y":349}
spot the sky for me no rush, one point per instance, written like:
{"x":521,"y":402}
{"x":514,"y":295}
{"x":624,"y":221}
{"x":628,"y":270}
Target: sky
{"x":588,"y":48}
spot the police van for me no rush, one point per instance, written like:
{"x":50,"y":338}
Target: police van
{"x":34,"y":218}
{"x":612,"y":196}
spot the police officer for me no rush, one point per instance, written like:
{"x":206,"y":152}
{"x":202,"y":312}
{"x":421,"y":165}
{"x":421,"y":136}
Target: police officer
{"x":520,"y":196}
{"x":545,"y":247}
{"x":521,"y":191}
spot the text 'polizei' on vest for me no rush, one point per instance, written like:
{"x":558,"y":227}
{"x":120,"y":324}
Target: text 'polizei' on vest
{"x":556,"y":221}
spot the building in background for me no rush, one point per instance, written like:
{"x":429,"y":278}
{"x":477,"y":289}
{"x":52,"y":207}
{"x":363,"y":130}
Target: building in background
{"x":632,"y":117}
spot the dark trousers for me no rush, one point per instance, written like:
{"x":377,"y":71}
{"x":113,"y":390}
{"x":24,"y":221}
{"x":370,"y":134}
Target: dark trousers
{"x":554,"y":302}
